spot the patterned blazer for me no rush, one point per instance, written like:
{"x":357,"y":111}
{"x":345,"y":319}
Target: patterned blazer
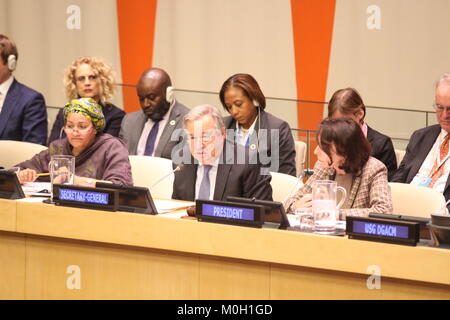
{"x":370,"y":191}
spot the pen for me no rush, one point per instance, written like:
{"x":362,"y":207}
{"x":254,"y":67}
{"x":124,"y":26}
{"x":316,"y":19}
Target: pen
{"x":43,"y":174}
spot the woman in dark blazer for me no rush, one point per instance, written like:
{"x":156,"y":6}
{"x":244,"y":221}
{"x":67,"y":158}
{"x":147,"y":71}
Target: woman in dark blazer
{"x":90,"y":77}
{"x":254,"y":128}
{"x":348,"y":103}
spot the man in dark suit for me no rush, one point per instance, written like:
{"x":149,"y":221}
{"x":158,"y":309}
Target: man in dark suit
{"x":426,"y":159}
{"x":214,"y":168}
{"x":149,"y":131}
{"x":23,"y":114}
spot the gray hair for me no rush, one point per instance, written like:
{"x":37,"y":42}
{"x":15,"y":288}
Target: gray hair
{"x":445,"y":78}
{"x":200,"y":111}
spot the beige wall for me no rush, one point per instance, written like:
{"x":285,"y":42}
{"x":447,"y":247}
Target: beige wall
{"x":46,"y":46}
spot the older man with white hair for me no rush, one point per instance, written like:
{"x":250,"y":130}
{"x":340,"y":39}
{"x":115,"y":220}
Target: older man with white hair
{"x":426,"y":162}
{"x":215,"y":168}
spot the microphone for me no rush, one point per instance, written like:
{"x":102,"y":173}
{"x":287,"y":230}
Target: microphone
{"x":178,"y":168}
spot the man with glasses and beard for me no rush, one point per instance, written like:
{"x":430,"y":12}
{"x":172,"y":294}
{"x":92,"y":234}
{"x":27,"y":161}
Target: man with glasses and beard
{"x":149,"y":131}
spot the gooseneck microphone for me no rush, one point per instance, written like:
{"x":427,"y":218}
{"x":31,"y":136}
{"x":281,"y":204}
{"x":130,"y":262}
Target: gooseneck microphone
{"x":178,"y":168}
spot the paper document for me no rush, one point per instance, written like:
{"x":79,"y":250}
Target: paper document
{"x":164,"y":206}
{"x":37,"y":188}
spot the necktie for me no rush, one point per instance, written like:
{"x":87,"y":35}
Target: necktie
{"x":205,"y":186}
{"x":442,"y":154}
{"x":150,"y":144}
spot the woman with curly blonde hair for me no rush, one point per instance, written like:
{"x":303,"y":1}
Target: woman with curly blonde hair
{"x":90,"y":77}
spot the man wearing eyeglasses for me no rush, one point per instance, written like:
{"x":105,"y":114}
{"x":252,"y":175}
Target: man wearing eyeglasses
{"x":426,"y":162}
{"x":215,"y":168}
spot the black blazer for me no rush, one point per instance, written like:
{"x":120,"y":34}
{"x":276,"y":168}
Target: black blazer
{"x":239,"y":180}
{"x":286,"y":146}
{"x":383,"y":150}
{"x":113,"y":119}
{"x":419,"y":146}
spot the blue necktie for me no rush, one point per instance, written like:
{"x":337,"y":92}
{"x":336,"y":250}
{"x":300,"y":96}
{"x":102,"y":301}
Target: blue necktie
{"x":205,"y":186}
{"x":150,"y":144}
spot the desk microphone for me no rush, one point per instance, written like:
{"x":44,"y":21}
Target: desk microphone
{"x":178,"y":168}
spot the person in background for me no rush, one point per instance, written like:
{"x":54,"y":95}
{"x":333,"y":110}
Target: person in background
{"x":343,"y":154}
{"x":90,"y":77}
{"x":426,"y":158}
{"x":149,"y":131}
{"x":243,"y":99}
{"x":23,"y":114}
{"x":98,"y":156}
{"x":348,"y":103}
{"x":211,"y":169}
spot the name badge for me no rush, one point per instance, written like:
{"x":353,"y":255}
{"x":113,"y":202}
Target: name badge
{"x":425,"y":182}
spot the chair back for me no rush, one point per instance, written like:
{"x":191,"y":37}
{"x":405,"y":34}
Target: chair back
{"x":148,"y":170}
{"x":13,"y":152}
{"x":399,"y":154}
{"x":412,"y":200}
{"x":300,"y":156}
{"x":283,"y":185}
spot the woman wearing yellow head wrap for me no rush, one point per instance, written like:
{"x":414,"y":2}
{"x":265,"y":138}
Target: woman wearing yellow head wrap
{"x":98,"y":156}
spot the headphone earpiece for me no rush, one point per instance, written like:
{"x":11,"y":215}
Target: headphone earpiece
{"x":255,"y":103}
{"x":12,"y":62}
{"x":169,"y":94}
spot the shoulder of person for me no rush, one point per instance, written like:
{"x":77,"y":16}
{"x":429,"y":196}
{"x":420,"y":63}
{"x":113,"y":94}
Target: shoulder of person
{"x":378,"y":134}
{"x":274,"y":121}
{"x":108,"y":140}
{"x":111,"y":108}
{"x":373,"y":165}
{"x":180,"y":107}
{"x":27,"y":90}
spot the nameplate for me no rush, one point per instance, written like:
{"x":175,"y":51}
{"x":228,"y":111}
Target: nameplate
{"x":247,"y":215}
{"x":85,"y":197}
{"x":383,"y":230}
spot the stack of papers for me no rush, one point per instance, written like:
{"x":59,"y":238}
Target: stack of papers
{"x":37,"y":189}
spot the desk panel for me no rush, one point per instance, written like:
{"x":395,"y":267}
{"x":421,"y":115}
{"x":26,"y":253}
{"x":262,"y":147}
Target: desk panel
{"x":125,"y":255}
{"x":61,"y":269}
{"x":7,"y":215}
{"x":12,"y":266}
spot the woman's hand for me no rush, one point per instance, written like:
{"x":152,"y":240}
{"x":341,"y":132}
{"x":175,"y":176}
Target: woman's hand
{"x":305,"y":201}
{"x":27,"y":175}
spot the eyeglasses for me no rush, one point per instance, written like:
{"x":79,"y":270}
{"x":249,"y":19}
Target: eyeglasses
{"x":82,"y":129}
{"x":440,"y":108}
{"x":201,"y":139}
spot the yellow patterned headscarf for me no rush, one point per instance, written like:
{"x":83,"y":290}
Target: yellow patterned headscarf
{"x":89,"y":108}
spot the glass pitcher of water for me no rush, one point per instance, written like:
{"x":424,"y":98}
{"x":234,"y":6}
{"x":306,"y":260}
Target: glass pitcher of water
{"x":325,"y":210}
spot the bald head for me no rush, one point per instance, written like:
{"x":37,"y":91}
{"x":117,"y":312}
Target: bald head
{"x":151,"y":90}
{"x":157,"y":75}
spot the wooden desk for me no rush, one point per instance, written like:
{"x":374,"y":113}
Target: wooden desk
{"x":131,"y":256}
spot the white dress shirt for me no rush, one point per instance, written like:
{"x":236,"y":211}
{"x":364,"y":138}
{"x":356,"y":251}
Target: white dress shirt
{"x":425,"y":170}
{"x":212,"y":178}
{"x":148,"y":127}
{"x":4,"y":88}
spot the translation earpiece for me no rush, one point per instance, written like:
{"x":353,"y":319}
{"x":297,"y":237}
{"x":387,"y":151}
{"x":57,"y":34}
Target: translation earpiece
{"x":169,"y":94}
{"x":255,"y":103}
{"x":12,"y":62}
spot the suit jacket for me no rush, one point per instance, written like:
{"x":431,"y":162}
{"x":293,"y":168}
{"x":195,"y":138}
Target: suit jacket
{"x":24,"y":115}
{"x":370,"y":191}
{"x":239,"y":180}
{"x":419,"y":146}
{"x":113,"y":118}
{"x":286,"y":147}
{"x":133,"y":125}
{"x":383,"y":150}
